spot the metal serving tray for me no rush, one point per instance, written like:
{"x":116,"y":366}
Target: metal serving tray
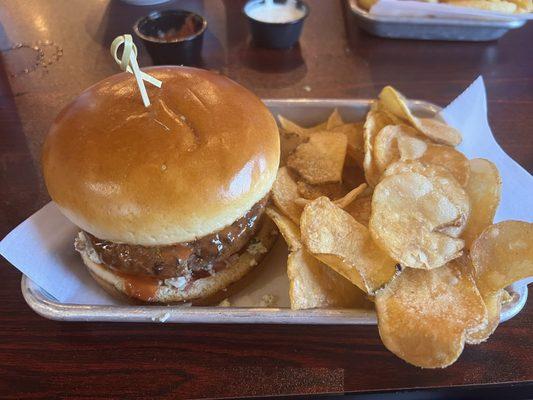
{"x":432,"y":28}
{"x":246,"y":310}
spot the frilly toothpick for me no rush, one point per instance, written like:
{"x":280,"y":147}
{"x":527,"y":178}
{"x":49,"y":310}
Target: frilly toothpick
{"x":128,"y":63}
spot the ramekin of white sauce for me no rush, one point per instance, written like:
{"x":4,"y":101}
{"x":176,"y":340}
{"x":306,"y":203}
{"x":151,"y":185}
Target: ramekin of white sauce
{"x":276,"y":24}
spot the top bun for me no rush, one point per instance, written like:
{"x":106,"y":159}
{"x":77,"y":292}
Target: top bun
{"x":196,"y":160}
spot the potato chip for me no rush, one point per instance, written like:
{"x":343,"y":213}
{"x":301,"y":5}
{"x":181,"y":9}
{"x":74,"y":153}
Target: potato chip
{"x":311,"y":192}
{"x":302,"y":202}
{"x":386,"y":149}
{"x":506,"y":297}
{"x":411,"y":148}
{"x":375,"y":121}
{"x":394,"y":120}
{"x":354,"y":134}
{"x":438,"y":131}
{"x":423,"y":316}
{"x":291,"y":127}
{"x":366,"y":4}
{"x":321,"y":159}
{"x":315,"y":285}
{"x":431,"y":171}
{"x":288,"y":143}
{"x":289,"y":230}
{"x":409,"y":214}
{"x":337,"y":264}
{"x":446,"y":184}
{"x":349,"y":197}
{"x":523,"y":6}
{"x":498,"y":6}
{"x":334,"y":120}
{"x":338,"y":240}
{"x":493,"y":302}
{"x":484,"y":190}
{"x":284,"y":192}
{"x":360,"y":209}
{"x":292,"y":135}
{"x":503,"y":254}
{"x":352,"y":174}
{"x":396,"y":103}
{"x":451,"y":159}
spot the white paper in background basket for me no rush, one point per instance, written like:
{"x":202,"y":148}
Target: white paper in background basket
{"x":407,"y":8}
{"x":42,"y":246}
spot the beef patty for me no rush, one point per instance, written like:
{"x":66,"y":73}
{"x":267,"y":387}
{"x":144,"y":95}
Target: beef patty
{"x":198,"y":258}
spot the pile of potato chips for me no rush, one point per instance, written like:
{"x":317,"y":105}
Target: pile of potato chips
{"x":501,"y":6}
{"x":389,"y":212}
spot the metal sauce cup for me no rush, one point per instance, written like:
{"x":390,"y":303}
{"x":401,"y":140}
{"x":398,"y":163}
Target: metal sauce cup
{"x":275,"y":35}
{"x":173,"y":36}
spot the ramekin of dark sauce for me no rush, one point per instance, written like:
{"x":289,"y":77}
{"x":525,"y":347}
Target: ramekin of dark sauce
{"x":172,"y":37}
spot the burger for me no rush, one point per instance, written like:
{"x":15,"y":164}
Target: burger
{"x":169,"y":198}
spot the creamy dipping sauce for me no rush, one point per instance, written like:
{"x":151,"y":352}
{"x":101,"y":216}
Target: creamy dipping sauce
{"x":276,"y":13}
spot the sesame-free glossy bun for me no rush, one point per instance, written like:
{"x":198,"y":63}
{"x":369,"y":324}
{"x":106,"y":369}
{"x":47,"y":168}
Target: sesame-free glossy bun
{"x":197,"y":159}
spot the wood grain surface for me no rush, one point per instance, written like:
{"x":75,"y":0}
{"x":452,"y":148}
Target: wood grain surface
{"x":46,"y":359}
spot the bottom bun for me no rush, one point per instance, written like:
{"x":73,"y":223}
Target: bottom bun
{"x":127,"y":287}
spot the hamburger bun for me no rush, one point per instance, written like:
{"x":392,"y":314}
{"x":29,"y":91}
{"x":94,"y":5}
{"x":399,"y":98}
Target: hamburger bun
{"x":192,"y":163}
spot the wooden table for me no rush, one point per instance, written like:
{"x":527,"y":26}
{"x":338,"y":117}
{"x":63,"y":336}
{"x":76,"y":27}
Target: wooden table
{"x":47,"y":359}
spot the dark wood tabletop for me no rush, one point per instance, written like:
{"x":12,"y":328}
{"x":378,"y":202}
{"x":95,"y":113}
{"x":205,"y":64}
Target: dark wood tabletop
{"x":40,"y":358}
